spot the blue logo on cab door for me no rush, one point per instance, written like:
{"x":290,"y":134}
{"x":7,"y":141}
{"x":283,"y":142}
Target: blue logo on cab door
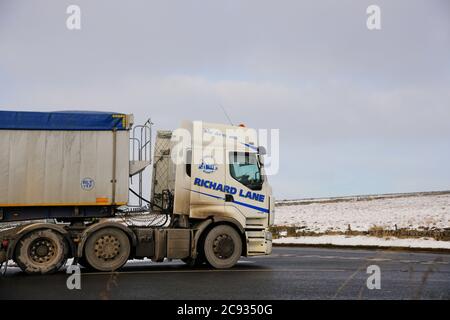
{"x":208,"y":165}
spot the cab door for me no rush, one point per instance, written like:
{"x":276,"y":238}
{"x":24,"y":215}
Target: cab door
{"x":207,"y":178}
{"x":248,"y":188}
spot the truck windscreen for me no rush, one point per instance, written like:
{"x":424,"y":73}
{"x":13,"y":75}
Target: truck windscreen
{"x":244,"y":167}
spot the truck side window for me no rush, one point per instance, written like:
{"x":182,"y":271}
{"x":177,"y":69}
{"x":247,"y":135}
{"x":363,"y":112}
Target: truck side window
{"x":188,"y":162}
{"x":244,"y":167}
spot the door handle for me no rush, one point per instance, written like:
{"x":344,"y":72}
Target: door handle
{"x":229,"y":198}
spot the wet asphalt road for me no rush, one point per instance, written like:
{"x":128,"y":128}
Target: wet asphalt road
{"x":289,"y":273}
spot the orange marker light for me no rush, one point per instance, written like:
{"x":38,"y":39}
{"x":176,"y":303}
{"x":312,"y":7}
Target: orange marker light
{"x":102,"y":200}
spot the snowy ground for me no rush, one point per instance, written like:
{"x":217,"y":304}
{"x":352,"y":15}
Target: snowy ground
{"x":341,"y":240}
{"x":421,"y":212}
{"x":410,"y":212}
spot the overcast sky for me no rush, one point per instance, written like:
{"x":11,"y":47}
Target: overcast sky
{"x":359,"y":111}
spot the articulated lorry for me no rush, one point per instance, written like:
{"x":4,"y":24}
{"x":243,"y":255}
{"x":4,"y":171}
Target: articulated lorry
{"x":65,"y":181}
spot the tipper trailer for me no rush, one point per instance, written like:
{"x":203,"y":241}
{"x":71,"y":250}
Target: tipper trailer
{"x":65,"y":189}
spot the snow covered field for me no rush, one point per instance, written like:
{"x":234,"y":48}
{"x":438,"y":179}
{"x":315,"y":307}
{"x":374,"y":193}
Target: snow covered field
{"x":410,"y":212}
{"x":421,"y":213}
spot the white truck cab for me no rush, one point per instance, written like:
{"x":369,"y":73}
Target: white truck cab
{"x":217,"y":173}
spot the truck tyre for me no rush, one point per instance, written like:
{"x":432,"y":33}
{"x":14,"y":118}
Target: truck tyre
{"x":222,"y":247}
{"x":41,"y":251}
{"x":107,"y":249}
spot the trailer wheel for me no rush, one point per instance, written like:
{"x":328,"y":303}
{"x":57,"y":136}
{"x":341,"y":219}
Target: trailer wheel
{"x":107,"y":249}
{"x":222,"y":247}
{"x":41,"y":251}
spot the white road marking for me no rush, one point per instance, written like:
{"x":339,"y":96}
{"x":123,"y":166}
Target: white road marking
{"x":378,"y":259}
{"x":351,"y":258}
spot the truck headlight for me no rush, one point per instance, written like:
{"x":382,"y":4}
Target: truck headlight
{"x":268,"y":236}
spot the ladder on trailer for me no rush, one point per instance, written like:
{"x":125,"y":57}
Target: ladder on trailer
{"x":140,"y":153}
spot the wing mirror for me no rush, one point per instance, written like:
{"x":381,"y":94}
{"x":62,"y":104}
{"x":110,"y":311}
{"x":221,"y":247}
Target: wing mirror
{"x":262,"y":151}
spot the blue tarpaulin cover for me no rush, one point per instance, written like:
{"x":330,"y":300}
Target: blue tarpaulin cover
{"x":62,"y":120}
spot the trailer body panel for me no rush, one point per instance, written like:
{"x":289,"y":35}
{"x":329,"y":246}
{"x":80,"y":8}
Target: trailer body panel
{"x":63,"y":168}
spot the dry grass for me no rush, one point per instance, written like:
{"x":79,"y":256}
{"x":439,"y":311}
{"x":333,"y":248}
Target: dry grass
{"x":375,"y":231}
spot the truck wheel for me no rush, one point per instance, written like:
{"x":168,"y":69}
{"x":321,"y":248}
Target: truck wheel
{"x":41,"y":251}
{"x":107,"y":249}
{"x":223,"y":247}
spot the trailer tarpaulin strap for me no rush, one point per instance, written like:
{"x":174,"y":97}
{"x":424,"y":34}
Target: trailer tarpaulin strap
{"x":62,"y":120}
